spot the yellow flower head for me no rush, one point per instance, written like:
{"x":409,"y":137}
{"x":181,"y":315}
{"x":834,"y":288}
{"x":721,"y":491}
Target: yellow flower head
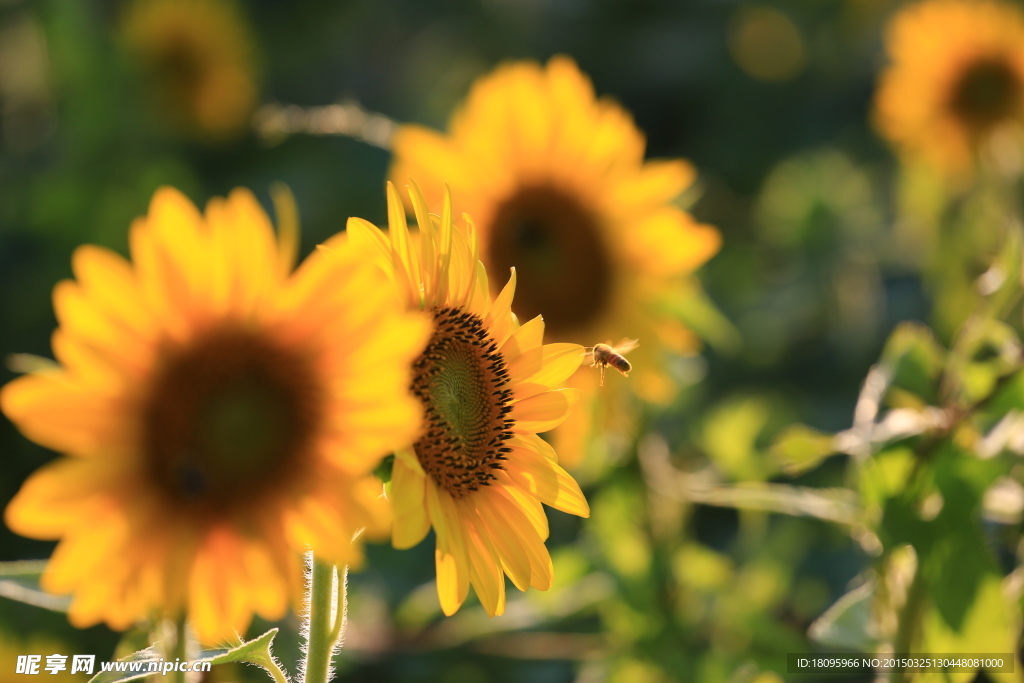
{"x":956,"y":78}
{"x":219,"y":416}
{"x":478,"y":472}
{"x":557,"y":184}
{"x":198,"y":58}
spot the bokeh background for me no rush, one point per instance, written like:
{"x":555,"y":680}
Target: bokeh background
{"x":771,"y":102}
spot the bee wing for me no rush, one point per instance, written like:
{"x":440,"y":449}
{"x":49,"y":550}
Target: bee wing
{"x":626,"y":345}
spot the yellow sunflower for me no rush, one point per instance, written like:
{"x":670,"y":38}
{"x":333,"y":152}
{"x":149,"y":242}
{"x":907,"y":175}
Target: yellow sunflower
{"x":557,"y":184}
{"x":219,"y":416}
{"x":198,"y":58}
{"x":478,"y":472}
{"x":956,"y":79}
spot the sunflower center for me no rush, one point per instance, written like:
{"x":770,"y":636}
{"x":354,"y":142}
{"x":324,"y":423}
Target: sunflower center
{"x":179,"y":64}
{"x":462,"y":381}
{"x":229,"y":415}
{"x":987,"y":92}
{"x":565,"y":269}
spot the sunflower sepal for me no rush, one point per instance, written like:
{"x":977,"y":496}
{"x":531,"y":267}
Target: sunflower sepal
{"x":383,"y":470}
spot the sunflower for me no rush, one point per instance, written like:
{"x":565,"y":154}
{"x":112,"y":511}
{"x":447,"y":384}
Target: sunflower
{"x":219,"y":415}
{"x":956,"y":79}
{"x":198,"y":59}
{"x":557,"y":183}
{"x":478,"y":472}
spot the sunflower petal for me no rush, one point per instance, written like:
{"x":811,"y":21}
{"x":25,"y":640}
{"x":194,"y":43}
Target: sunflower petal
{"x":513,"y":556}
{"x":408,"y":495}
{"x":450,"y":556}
{"x":527,"y":337}
{"x":499,"y":320}
{"x":543,"y":478}
{"x":544,"y":411}
{"x":485,"y":571}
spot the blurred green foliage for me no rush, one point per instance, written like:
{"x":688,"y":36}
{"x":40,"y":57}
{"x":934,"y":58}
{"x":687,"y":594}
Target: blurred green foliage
{"x":747,"y":520}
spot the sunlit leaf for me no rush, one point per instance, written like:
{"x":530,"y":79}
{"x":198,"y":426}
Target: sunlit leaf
{"x":916,"y":359}
{"x":20,"y":581}
{"x":848,"y":624}
{"x":145,"y":662}
{"x":800,"y":448}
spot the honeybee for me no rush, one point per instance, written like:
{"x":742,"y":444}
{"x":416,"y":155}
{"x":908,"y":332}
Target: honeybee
{"x":608,"y":356}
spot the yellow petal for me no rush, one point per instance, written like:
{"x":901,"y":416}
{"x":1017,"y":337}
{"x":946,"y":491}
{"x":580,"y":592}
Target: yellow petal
{"x":369,"y":237}
{"x":544,"y":411}
{"x":408,"y":490}
{"x":56,"y":412}
{"x":485,"y":572}
{"x":450,"y":555}
{"x":523,"y":525}
{"x":498,"y":320}
{"x":529,"y":336}
{"x":405,"y":261}
{"x":558,"y":363}
{"x":543,"y":478}
{"x":55,"y":498}
{"x":513,"y":556}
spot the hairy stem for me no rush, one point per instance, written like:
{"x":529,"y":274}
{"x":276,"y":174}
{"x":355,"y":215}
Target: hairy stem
{"x":179,"y":649}
{"x":323,"y":631}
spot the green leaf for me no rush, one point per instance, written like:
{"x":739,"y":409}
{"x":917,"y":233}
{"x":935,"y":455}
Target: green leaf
{"x":730,"y":434}
{"x":693,"y":307}
{"x":241,"y":651}
{"x":1009,"y":396}
{"x":988,"y":626}
{"x":20,"y":581}
{"x":916,"y":359}
{"x":958,"y":538}
{"x":884,"y":475}
{"x":136,"y":665}
{"x":256,"y":652}
{"x":800,"y":448}
{"x":902,"y":525}
{"x":848,"y":624}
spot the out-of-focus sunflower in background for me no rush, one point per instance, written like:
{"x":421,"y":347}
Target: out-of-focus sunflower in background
{"x":197,"y":58}
{"x":955,"y":84}
{"x":556,"y":181}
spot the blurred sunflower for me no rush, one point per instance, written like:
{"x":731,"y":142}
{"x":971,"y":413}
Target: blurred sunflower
{"x":198,"y":58}
{"x":478,"y":472}
{"x":220,"y":416}
{"x":557,"y":183}
{"x":956,"y":79}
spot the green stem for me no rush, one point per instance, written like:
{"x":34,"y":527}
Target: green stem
{"x":275,"y":671}
{"x":323,"y":634}
{"x":179,"y":651}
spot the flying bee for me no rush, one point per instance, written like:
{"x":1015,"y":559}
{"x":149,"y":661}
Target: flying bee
{"x":608,"y":356}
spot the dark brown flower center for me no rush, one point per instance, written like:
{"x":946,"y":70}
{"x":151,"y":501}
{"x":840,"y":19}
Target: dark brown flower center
{"x":986,"y":93}
{"x":227,"y":417}
{"x":462,"y":381}
{"x":180,"y":65}
{"x":564,"y":266}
